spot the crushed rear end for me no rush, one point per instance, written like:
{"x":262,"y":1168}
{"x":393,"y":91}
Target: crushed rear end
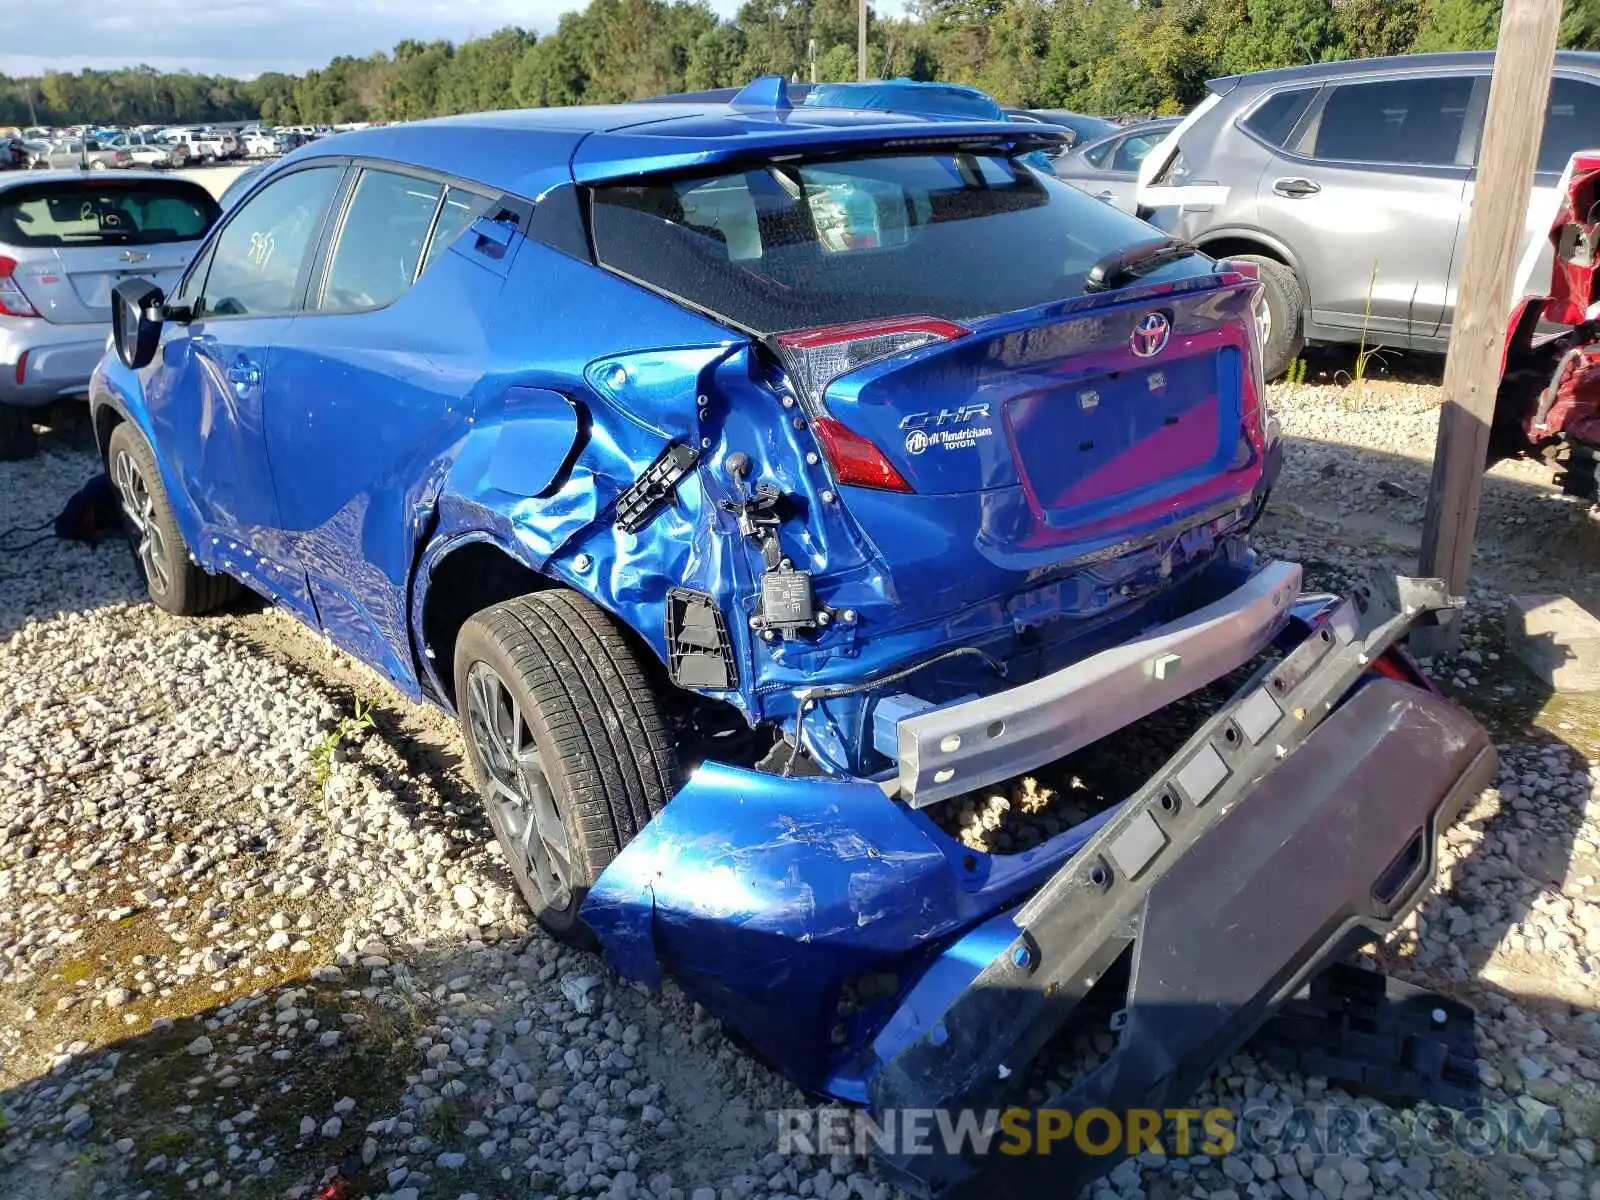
{"x":935,"y":521}
{"x":1548,"y":403}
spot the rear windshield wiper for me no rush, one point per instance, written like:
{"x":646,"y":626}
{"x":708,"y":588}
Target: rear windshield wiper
{"x":1130,"y":262}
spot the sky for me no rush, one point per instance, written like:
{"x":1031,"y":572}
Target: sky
{"x":246,"y":37}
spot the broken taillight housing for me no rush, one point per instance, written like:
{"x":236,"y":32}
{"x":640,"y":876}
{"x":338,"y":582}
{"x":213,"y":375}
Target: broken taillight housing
{"x":13,"y":303}
{"x":814,"y":358}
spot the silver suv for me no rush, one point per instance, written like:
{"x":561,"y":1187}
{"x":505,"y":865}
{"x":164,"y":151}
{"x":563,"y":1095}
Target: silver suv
{"x":1350,"y":183}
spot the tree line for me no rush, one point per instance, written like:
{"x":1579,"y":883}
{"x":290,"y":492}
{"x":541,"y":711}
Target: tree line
{"x":1099,"y":56}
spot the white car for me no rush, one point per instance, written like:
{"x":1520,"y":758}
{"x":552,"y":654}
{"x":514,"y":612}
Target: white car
{"x":147,"y":150}
{"x":202,"y":145}
{"x":258,"y":143}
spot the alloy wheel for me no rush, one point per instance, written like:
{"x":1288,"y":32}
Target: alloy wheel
{"x":521,"y":803}
{"x":139,"y":509}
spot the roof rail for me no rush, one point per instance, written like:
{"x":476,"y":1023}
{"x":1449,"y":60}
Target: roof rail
{"x":769,"y":93}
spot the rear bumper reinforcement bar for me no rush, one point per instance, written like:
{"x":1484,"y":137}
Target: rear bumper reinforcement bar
{"x":1301,"y":821}
{"x":946,"y":751}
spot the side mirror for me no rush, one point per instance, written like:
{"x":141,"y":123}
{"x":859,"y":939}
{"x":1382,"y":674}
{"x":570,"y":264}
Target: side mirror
{"x":136,"y":321}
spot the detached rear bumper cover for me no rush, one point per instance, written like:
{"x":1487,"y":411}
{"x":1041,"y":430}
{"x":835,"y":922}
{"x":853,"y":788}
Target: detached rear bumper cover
{"x":1300,"y":821}
{"x":1328,"y":852}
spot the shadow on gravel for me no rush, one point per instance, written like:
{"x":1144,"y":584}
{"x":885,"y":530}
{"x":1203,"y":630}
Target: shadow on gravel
{"x":41,"y":575}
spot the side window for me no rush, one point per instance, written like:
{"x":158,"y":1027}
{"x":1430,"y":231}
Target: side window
{"x":255,"y":266}
{"x":461,"y":208}
{"x":1274,"y":118}
{"x":1404,"y":121}
{"x":1132,"y":149}
{"x":1570,"y":123}
{"x":380,"y":242}
{"x":1096,"y":155}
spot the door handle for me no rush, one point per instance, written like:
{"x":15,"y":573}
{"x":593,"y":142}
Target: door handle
{"x":1296,"y":189}
{"x":1108,"y":197}
{"x":245,"y":373}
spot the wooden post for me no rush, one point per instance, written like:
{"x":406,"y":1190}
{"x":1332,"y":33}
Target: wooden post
{"x":861,"y":39}
{"x":1518,"y":94}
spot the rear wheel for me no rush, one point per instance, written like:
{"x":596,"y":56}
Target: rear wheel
{"x":17,"y":437}
{"x":1281,"y":321}
{"x":566,"y":741}
{"x":175,"y":582}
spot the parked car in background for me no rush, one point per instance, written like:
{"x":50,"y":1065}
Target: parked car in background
{"x":907,"y":96}
{"x":1108,"y":167}
{"x":14,"y":154}
{"x":1084,"y":129}
{"x":261,"y":143}
{"x":65,"y":241}
{"x":1350,"y":182}
{"x":203,"y":146}
{"x":149,"y":150}
{"x":926,"y":98}
{"x":1548,"y":403}
{"x":67,"y":153}
{"x":934,"y":469}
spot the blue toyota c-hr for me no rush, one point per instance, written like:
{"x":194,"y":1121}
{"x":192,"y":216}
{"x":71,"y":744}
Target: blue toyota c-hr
{"x":754,"y":480}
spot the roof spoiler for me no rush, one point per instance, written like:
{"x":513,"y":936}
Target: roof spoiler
{"x":769,"y":93}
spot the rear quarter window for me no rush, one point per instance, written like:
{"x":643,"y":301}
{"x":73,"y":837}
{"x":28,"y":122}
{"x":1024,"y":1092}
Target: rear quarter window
{"x":1275,"y":118}
{"x":87,"y":213}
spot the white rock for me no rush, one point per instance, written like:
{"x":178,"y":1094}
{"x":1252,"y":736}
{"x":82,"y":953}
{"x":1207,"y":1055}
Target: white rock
{"x":579,"y":991}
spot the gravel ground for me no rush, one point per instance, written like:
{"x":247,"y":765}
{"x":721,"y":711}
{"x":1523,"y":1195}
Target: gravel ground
{"x":251,"y":931}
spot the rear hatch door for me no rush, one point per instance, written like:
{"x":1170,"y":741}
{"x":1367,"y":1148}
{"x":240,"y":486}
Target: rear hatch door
{"x":1108,"y":411}
{"x":75,"y":240}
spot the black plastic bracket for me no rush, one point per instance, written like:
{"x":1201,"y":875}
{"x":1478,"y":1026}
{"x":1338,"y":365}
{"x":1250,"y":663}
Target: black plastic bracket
{"x":698,"y":652}
{"x":640,"y":502}
{"x":1379,"y":1036}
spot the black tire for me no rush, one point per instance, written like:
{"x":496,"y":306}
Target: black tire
{"x":175,"y":583}
{"x":550,"y":681}
{"x":1286,"y":305}
{"x":18,"y":439}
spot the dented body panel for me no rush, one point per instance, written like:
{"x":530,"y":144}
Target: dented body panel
{"x":1548,"y":402}
{"x":828,"y":536}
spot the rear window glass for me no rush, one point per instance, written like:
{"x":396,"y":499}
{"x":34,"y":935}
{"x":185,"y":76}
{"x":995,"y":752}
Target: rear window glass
{"x":74,"y":213}
{"x":794,"y":245}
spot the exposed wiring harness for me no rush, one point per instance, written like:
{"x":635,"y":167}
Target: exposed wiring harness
{"x":811,"y":696}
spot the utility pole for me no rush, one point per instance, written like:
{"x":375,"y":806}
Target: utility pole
{"x":861,"y":39}
{"x":1518,"y":94}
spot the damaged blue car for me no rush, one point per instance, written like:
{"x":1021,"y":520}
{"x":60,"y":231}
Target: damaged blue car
{"x":758,"y":484}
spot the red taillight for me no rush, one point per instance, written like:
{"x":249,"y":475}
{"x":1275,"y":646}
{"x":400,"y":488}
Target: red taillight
{"x":1240,"y":268}
{"x":855,"y":459}
{"x":22,"y":368}
{"x":816,"y":357}
{"x":12,"y":302}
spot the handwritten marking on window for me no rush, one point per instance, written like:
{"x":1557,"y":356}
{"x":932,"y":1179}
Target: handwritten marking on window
{"x":261,"y":249}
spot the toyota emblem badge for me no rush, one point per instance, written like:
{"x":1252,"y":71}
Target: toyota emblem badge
{"x":1149,"y":337}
